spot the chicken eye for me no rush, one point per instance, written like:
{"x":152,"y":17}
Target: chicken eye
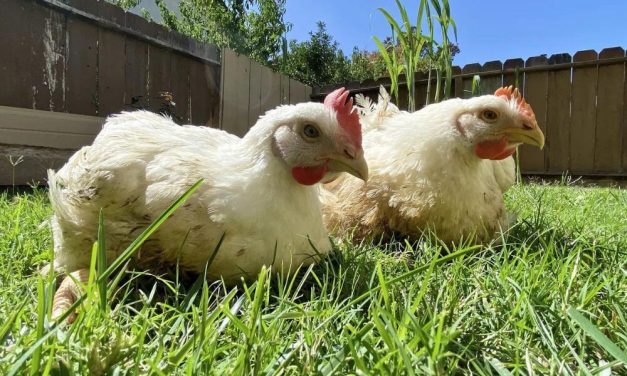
{"x":310,"y":131}
{"x":489,"y":115}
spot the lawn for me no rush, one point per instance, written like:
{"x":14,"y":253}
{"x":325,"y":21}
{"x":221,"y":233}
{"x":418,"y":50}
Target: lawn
{"x":551,"y":299}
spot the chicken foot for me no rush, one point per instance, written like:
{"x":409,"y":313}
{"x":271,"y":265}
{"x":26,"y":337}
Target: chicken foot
{"x":68,"y":292}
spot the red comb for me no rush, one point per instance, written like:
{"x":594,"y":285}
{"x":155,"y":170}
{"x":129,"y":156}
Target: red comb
{"x":347,"y":117}
{"x":510,"y":93}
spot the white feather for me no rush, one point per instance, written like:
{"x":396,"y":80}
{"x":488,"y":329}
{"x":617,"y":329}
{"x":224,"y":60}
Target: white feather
{"x":141,"y":162}
{"x":422,"y":176}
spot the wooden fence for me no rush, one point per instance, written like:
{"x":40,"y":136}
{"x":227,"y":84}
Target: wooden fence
{"x":90,"y":57}
{"x":250,"y":89}
{"x":67,"y":64}
{"x":580,"y":103}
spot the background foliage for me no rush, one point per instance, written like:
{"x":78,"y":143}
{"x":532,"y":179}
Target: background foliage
{"x":257,"y":29}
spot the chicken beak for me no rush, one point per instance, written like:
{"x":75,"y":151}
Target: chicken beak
{"x":531,"y":135}
{"x":356,"y":166}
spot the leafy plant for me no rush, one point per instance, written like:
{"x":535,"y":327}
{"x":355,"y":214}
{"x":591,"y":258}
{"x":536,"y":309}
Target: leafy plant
{"x":319,"y":61}
{"x":255,"y":28}
{"x":475,"y":89}
{"x":548,"y":299}
{"x":414,"y":46}
{"x":440,"y":53}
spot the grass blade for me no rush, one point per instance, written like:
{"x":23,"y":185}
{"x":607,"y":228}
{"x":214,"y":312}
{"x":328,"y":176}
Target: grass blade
{"x":101,"y":263}
{"x":597,"y":335}
{"x":128,"y":252}
{"x":114,"y":265}
{"x":6,"y":328}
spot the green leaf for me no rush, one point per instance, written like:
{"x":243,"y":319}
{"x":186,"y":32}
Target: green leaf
{"x":119,"y":261}
{"x":134,"y":246}
{"x":8,"y":324}
{"x":597,"y":335}
{"x":101,"y":263}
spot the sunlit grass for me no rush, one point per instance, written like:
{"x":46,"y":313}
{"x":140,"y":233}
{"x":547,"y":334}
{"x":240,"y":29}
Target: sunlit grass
{"x":551,"y":299}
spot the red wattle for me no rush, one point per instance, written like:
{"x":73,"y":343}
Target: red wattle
{"x":309,"y":175}
{"x":494,"y":150}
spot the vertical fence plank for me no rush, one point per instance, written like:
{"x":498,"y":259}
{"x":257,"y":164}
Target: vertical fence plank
{"x":159,"y":77}
{"x":135,"y":73}
{"x":298,"y":92}
{"x":608,"y":140}
{"x":179,"y":71}
{"x":458,"y":88}
{"x":81,"y":96}
{"x":214,"y":78}
{"x":254,"y":98}
{"x":467,"y":81}
{"x":271,"y":89}
{"x":16,"y":38}
{"x":403,"y":95}
{"x":48,"y":33}
{"x":111,"y":73}
{"x":203,"y":94}
{"x":583,"y":119}
{"x":421,"y":90}
{"x":235,"y":92}
{"x":285,"y":90}
{"x":536,"y":85}
{"x":511,"y":78}
{"x":491,"y":82}
{"x":558,"y":116}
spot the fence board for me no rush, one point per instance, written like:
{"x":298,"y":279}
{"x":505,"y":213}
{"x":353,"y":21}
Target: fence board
{"x":49,"y":66}
{"x":558,"y":116}
{"x":421,"y":90}
{"x":583,"y":119}
{"x":467,"y":81}
{"x":512,"y":79}
{"x":298,"y":92}
{"x":179,"y":70}
{"x":200,"y":94}
{"x":20,"y":126}
{"x":15,"y":67}
{"x":235,"y":92}
{"x":40,"y":68}
{"x":285,"y":90}
{"x":458,"y":88}
{"x":111,"y":81}
{"x":136,"y":73}
{"x":255,"y":88}
{"x":490,"y":83}
{"x":158,"y":77}
{"x":531,"y":158}
{"x":214,"y":79}
{"x":82,"y":60}
{"x":34,"y":164}
{"x":608,"y":140}
{"x":271,"y":93}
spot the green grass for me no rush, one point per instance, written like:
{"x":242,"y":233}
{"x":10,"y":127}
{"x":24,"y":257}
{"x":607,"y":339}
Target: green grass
{"x":552,"y":299}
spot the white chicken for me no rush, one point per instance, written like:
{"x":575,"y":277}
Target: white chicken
{"x":443,"y":168}
{"x":258,"y":191}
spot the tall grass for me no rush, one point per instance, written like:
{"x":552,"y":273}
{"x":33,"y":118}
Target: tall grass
{"x":549,"y":299}
{"x":416,"y":47}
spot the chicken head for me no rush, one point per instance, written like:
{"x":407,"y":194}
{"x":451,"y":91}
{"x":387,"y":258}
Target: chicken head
{"x":496,"y":125}
{"x":315,"y":140}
